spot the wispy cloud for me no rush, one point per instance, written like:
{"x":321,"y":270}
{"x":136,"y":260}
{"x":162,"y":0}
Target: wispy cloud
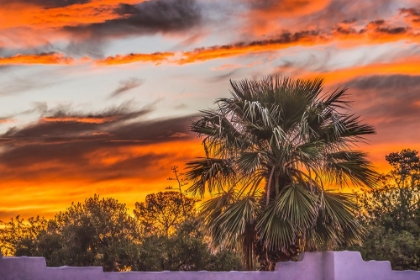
{"x":126,"y":85}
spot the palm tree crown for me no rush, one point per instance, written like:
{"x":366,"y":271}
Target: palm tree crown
{"x":272,"y":149}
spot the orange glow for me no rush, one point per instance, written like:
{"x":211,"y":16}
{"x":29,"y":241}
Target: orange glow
{"x":79,"y":119}
{"x":44,"y":58}
{"x":21,"y":14}
{"x":405,"y":66}
{"x":157,"y":58}
{"x":5,"y":120}
{"x":263,"y":19}
{"x":215,"y":52}
{"x":44,"y":197}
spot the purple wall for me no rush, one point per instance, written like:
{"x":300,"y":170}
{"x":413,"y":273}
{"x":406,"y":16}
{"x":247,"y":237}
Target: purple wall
{"x":344,"y":265}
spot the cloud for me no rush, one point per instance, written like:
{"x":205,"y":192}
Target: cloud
{"x":4,"y":120}
{"x":391,"y":103}
{"x":18,"y":85}
{"x":71,"y":155}
{"x":149,"y":17}
{"x":156,"y":58}
{"x":388,"y":100}
{"x":287,"y":7}
{"x":42,"y":58}
{"x":406,"y":65}
{"x":68,"y":137}
{"x":411,"y":15}
{"x":284,"y":40}
{"x":126,"y":85}
{"x":18,"y":14}
{"x":47,"y":3}
{"x":263,"y":17}
{"x":223,"y":77}
{"x":87,"y":25}
{"x":387,"y":82}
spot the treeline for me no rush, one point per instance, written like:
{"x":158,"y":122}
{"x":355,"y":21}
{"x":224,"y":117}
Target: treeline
{"x":163,"y":233}
{"x":390,"y":214}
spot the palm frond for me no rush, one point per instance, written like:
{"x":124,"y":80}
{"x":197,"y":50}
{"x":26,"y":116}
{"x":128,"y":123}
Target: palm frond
{"x":344,"y":166}
{"x":215,"y":173}
{"x":249,"y":162}
{"x":230,"y":225}
{"x":337,"y":223}
{"x":273,"y":230}
{"x":214,"y":207}
{"x":335,"y":99}
{"x":220,"y":133}
{"x":298,"y":205}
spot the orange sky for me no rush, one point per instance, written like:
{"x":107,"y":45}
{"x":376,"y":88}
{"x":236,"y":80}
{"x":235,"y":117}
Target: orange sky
{"x":97,"y":95}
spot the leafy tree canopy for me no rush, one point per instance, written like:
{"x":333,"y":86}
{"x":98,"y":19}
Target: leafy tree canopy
{"x":391,"y":214}
{"x":100,"y":232}
{"x":17,"y":237}
{"x":162,"y":212}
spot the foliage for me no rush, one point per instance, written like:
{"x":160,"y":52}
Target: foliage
{"x":173,"y":238}
{"x":270,"y":150}
{"x":162,"y":212}
{"x":391,"y":214}
{"x":184,"y":250}
{"x":18,"y":237}
{"x":101,"y":232}
{"x":98,"y":232}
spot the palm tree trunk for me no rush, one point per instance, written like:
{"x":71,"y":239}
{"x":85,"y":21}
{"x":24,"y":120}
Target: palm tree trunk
{"x":248,"y":243}
{"x":270,"y":179}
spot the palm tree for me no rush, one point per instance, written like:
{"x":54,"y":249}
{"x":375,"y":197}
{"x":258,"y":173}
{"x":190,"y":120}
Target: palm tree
{"x":272,"y":149}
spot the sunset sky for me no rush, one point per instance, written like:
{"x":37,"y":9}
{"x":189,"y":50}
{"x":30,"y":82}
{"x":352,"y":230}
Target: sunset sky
{"x":97,"y":95}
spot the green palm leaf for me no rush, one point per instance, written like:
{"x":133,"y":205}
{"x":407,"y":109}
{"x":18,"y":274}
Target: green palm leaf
{"x":298,"y":205}
{"x":275,"y":231}
{"x":230,"y":225}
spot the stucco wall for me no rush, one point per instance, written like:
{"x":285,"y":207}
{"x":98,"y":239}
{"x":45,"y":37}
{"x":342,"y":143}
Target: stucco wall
{"x":344,"y":265}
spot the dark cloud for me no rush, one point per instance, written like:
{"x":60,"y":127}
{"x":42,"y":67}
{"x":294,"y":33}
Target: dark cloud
{"x":47,"y":3}
{"x":350,"y":20}
{"x":344,"y":11}
{"x":392,"y":101}
{"x":317,"y":63}
{"x":148,"y":17}
{"x":244,"y":48}
{"x":283,"y":6}
{"x":381,"y":27}
{"x":61,"y":123}
{"x":65,"y":142}
{"x":223,"y":77}
{"x":126,"y":85}
{"x":391,"y":82}
{"x":263,"y":5}
{"x":411,"y":12}
{"x":91,"y":47}
{"x":285,"y":37}
{"x":347,"y":30}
